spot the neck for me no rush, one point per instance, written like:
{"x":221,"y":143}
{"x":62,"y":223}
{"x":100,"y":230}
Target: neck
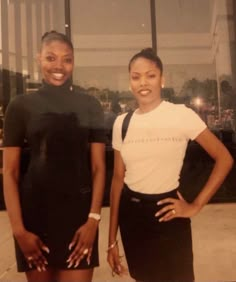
{"x":145,"y":108}
{"x":65,"y":88}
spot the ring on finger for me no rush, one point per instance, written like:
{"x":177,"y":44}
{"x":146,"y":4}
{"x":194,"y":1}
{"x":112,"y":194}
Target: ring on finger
{"x":85,"y":252}
{"x":173,"y":211}
{"x":29,"y":258}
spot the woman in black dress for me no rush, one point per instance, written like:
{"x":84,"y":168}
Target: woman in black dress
{"x":54,"y":206}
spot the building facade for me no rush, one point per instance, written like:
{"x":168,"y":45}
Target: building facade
{"x":195,"y":40}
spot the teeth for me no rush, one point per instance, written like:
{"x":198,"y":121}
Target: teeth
{"x":58,"y":75}
{"x":144,"y":92}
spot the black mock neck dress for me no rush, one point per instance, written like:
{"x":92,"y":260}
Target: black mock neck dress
{"x":57,"y":123}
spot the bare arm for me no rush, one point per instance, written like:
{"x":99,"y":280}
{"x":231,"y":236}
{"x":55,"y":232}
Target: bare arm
{"x":11,"y":160}
{"x":84,"y":237}
{"x":223,"y":163}
{"x":98,"y":175}
{"x":30,"y":244}
{"x":116,"y":187}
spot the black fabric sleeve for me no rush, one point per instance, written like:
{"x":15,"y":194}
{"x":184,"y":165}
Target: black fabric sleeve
{"x":14,"y":124}
{"x":97,"y":130}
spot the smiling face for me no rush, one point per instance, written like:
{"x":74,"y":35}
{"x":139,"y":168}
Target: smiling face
{"x":56,"y":60}
{"x":146,"y":81}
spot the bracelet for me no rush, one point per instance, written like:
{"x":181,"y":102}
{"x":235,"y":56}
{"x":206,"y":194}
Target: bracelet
{"x":112,"y":245}
{"x":95,"y":216}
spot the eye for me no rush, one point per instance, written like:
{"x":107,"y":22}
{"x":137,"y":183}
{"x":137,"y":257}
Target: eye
{"x":151,"y":75}
{"x":68,"y":60}
{"x":50,"y":58}
{"x":134,"y":77}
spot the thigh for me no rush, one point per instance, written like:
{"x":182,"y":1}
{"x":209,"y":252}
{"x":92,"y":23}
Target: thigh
{"x":44,"y":276}
{"x":83,"y":275}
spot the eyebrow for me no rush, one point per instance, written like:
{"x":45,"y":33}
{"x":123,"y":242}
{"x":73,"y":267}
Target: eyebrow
{"x":52,"y":53}
{"x":134,"y":72}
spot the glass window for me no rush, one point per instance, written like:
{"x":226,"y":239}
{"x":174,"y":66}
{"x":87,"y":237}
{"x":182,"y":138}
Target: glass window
{"x":22,"y":25}
{"x":195,"y":40}
{"x":106,"y":34}
{"x":105,"y":37}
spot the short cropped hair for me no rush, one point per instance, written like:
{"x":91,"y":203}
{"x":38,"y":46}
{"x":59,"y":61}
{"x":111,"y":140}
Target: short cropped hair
{"x":57,"y":36}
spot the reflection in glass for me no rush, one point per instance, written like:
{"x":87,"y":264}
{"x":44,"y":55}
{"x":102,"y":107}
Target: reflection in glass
{"x":195,"y":41}
{"x":104,"y":41}
{"x":24,"y":23}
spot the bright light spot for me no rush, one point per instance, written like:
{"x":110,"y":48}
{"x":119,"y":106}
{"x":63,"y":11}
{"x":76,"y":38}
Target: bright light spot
{"x":198,"y":101}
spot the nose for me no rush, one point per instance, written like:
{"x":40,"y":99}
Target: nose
{"x":58,"y":64}
{"x":143,"y":81}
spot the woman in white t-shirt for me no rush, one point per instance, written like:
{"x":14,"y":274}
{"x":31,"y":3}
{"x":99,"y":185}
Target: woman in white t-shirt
{"x":153,"y":217}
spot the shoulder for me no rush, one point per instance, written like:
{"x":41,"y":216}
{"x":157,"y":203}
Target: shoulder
{"x":172,"y":106}
{"x":18,"y":98}
{"x":86,"y":98}
{"x":82,"y":95}
{"x":17,"y":102}
{"x":26,"y":99}
{"x":119,"y":121}
{"x":121,"y":117}
{"x":180,"y":109}
{"x":24,"y":102}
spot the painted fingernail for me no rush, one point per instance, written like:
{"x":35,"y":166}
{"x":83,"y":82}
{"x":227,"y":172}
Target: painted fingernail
{"x":39,"y":268}
{"x":88,"y":261}
{"x":159,"y":203}
{"x":69,"y":259}
{"x":46,"y":249}
{"x":77,"y":263}
{"x":161,"y":219}
{"x":157,"y":214}
{"x":70,"y":265}
{"x":70,"y":246}
{"x":43,"y":268}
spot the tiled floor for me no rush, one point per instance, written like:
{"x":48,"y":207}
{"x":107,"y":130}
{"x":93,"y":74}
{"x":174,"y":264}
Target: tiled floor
{"x":214,"y":237}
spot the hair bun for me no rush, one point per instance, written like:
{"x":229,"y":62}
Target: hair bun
{"x":150,"y":54}
{"x":55,"y":35}
{"x":148,"y":50}
{"x":47,"y":33}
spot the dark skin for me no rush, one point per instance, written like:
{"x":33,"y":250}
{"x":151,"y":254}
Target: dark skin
{"x":56,"y":60}
{"x":31,"y":245}
{"x":146,"y":81}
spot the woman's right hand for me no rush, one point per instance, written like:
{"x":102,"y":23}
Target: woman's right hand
{"x":114,"y":259}
{"x":33,"y":248}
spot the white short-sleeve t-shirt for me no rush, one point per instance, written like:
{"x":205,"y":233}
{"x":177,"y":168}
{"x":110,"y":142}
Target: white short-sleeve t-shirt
{"x":154,"y":147}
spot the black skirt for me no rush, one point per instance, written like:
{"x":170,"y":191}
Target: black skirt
{"x":155,"y":251}
{"x":55,"y":221}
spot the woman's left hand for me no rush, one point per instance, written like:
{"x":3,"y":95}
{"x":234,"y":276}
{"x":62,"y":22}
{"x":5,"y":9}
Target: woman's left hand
{"x":176,"y":208}
{"x":82,"y":243}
